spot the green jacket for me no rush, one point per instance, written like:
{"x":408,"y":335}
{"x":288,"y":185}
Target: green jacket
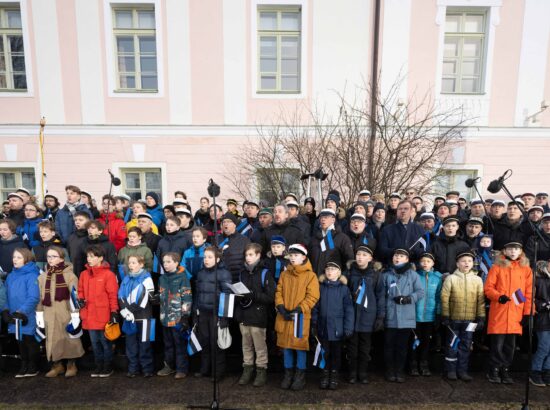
{"x":142,"y":250}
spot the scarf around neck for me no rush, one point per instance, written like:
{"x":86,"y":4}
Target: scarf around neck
{"x":61,"y":288}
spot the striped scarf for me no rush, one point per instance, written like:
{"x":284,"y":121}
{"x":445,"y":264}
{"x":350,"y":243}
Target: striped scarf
{"x":61,"y":288}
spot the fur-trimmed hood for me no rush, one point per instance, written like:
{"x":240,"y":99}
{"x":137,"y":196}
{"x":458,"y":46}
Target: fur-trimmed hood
{"x":542,"y":269}
{"x":503,"y":261}
{"x":342,"y":279}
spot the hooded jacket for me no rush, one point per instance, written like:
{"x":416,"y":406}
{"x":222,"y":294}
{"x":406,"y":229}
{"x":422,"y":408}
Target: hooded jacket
{"x":140,"y":249}
{"x":445,"y":249}
{"x":115,"y":229}
{"x":173,"y":242}
{"x":23,"y":295}
{"x":192,"y":260}
{"x":462,"y":296}
{"x":135,"y":293}
{"x":157,"y":213}
{"x":28,"y":231}
{"x":232,"y":247}
{"x":64,"y":223}
{"x":430,"y":305}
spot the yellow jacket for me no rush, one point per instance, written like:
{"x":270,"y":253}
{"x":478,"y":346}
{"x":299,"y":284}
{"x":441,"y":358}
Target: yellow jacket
{"x":462,"y":296}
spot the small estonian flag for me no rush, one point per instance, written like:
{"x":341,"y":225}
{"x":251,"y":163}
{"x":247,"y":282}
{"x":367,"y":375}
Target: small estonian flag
{"x":319,"y":359}
{"x":518,"y":297}
{"x":416,"y":341}
{"x":298,"y":325}
{"x":193,"y":346}
{"x":18,"y":330}
{"x":73,"y":301}
{"x":362,"y":295}
{"x":227,"y":302}
{"x":39,"y":334}
{"x":454,"y":342}
{"x":148,"y":330}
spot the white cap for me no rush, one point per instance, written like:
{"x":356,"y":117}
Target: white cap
{"x":327,"y":211}
{"x":297,"y":247}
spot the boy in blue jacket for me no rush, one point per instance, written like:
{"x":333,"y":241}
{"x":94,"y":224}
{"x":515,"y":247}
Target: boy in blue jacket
{"x":276,"y":262}
{"x":193,"y":257}
{"x":428,"y":314}
{"x":332,"y":321}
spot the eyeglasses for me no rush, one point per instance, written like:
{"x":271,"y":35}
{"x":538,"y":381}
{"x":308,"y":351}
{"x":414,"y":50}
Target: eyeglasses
{"x":30,"y":210}
{"x":52,"y":256}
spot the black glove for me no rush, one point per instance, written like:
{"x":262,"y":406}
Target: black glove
{"x":480,"y":323}
{"x":22,"y":317}
{"x":6,"y":316}
{"x":184,"y":323}
{"x":81,"y":303}
{"x":313,"y":329}
{"x":445,"y":321}
{"x":502,"y":299}
{"x":223,"y":322}
{"x":285,"y":313}
{"x":402,"y":300}
{"x":154,"y":298}
{"x":546,"y":306}
{"x":525,"y":321}
{"x":379,"y":324}
{"x":437,"y":322}
{"x":298,"y":310}
{"x":114,"y":317}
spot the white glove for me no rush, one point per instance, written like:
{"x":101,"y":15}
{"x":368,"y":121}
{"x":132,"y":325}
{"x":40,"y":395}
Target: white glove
{"x":40,"y":319}
{"x":75,"y":319}
{"x":127,"y":315}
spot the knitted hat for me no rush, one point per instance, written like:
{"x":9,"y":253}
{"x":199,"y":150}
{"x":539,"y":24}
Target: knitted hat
{"x":153,"y":195}
{"x":333,"y":197}
{"x":310,"y":200}
{"x":231,"y":217}
{"x":278,"y":239}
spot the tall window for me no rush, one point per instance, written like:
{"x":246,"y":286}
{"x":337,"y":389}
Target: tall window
{"x":464,"y":53}
{"x":273,"y":184}
{"x":279,"y":50}
{"x":137,"y":182}
{"x":11,"y":179}
{"x":135,"y":48}
{"x":455,"y":180}
{"x":12,"y":55}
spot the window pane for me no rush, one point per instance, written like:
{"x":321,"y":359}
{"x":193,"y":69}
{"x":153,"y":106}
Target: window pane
{"x":146,"y":19}
{"x":289,"y":83}
{"x":152,"y":181}
{"x":289,"y":66}
{"x":126,"y":64}
{"x":123,"y":19}
{"x":268,"y":65}
{"x":452,"y":24}
{"x":290,"y":21}
{"x":148,"y":64}
{"x":20,"y":81}
{"x":268,"y":20}
{"x":449,"y":67}
{"x":3,"y":83}
{"x":18,"y":63}
{"x":27,"y":180}
{"x":16,"y":43}
{"x":135,"y":195}
{"x":470,"y":68}
{"x":470,"y":85}
{"x":14,"y":18}
{"x":147,"y":45}
{"x":2,"y":62}
{"x":8,"y":180}
{"x":268,"y":82}
{"x":451,"y":47}
{"x":289,"y":47}
{"x":125,"y":44}
{"x":127,"y":81}
{"x":132,"y":180}
{"x":1,"y":44}
{"x":448,"y":85}
{"x":473,"y":24}
{"x":471,"y":47}
{"x":268,"y":46}
{"x":149,"y":82}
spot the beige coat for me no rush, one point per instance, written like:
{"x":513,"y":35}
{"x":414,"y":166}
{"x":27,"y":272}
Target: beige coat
{"x":56,"y":317}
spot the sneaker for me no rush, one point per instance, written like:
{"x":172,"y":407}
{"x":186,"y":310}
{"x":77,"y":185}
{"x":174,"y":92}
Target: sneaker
{"x":505,"y":376}
{"x":131,"y":375}
{"x":31,"y":372}
{"x":535,"y":378}
{"x":180,"y":375}
{"x":166,"y":370}
{"x":451,"y":376}
{"x":22,"y":371}
{"x":465,"y":377}
{"x":494,"y":376}
{"x":107,"y":370}
{"x":97,"y":371}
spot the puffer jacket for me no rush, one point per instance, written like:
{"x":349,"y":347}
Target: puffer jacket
{"x":29,"y":231}
{"x":140,"y":249}
{"x":206,"y":287}
{"x":135,"y":294}
{"x":430,"y":305}
{"x":462,"y":296}
{"x":232,"y":247}
{"x":364,"y":316}
{"x":98,"y":287}
{"x":192,"y":260}
{"x":157,"y":213}
{"x":504,"y":278}
{"x":23,"y":295}
{"x":6,"y":253}
{"x":399,"y":281}
{"x":173,"y":242}
{"x":115,"y":229}
{"x":333,"y":316}
{"x":542,"y":298}
{"x":445,"y":251}
{"x":175,"y":297}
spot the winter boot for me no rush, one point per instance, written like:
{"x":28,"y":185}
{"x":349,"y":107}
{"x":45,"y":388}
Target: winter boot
{"x":400,"y":377}
{"x":414,"y":368}
{"x":363,"y":374}
{"x":535,"y":377}
{"x":98,"y":369}
{"x":452,"y":376}
{"x":287,"y":379}
{"x":246,"y":377}
{"x":390,"y":374}
{"x":107,"y":370}
{"x":333,"y":385}
{"x":299,"y":381}
{"x":494,"y":375}
{"x":72,"y":370}
{"x":546,"y":377}
{"x":56,"y":370}
{"x":465,"y":377}
{"x":261,"y":377}
{"x":352,"y":377}
{"x":425,"y":369}
{"x":505,"y":376}
{"x":325,"y":379}
{"x":166,"y":370}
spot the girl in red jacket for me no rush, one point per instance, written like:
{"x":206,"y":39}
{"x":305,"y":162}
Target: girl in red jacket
{"x":97,"y":294}
{"x":115,"y":227}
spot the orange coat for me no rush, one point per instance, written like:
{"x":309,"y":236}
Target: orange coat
{"x":504,"y":278}
{"x":298,"y":286}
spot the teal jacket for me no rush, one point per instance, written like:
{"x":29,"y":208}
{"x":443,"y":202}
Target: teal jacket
{"x":429,"y":306}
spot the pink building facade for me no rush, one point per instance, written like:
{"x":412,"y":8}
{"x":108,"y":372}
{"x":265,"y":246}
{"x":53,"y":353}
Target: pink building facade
{"x":162,"y":92}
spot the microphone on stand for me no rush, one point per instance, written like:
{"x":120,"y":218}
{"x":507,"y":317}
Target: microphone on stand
{"x":496,"y":184}
{"x":114,"y":180}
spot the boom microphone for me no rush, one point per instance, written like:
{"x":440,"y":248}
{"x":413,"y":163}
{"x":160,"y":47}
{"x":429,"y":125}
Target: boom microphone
{"x":470,"y":182}
{"x":114,"y":180}
{"x":496,"y":184}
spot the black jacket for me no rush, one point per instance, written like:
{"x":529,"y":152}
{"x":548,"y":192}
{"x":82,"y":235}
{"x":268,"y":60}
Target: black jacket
{"x":151,"y":240}
{"x":206,"y":287}
{"x":543,"y":251}
{"x":364,"y":316}
{"x":232,"y":247}
{"x":506,"y":232}
{"x":6,"y":252}
{"x":341,"y":252}
{"x":542,"y":296}
{"x":175,"y":242}
{"x":400,"y":236}
{"x":291,"y":233}
{"x":80,"y":259}
{"x":364,"y":238}
{"x":445,"y":251}
{"x":17,"y":216}
{"x":76,"y":242}
{"x":254,"y":311}
{"x":303,"y":225}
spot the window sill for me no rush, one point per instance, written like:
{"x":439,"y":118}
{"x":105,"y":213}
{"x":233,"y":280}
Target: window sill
{"x":464,"y":94}
{"x":287,"y":95}
{"x":123,"y":91}
{"x":15,"y":93}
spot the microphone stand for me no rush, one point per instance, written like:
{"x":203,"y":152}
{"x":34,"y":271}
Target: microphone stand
{"x":480,"y":197}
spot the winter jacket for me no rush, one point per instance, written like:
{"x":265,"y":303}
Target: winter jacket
{"x":80,"y":259}
{"x":57,"y":316}
{"x":232,"y":247}
{"x":462,"y":296}
{"x":175,"y":297}
{"x":28,"y":231}
{"x":340,"y":250}
{"x":506,"y":232}
{"x":98,"y":287}
{"x":362,"y":239}
{"x":6,"y":253}
{"x":151,"y":240}
{"x":50,"y":214}
{"x":39,"y":251}
{"x":445,"y":250}
{"x":504,"y":278}
{"x":333,"y":316}
{"x":192,"y":260}
{"x":430,"y":305}
{"x":64,"y":224}
{"x":201,"y":217}
{"x":290,"y":232}
{"x":248,"y":226}
{"x":207,"y":288}
{"x":276,"y":265}
{"x":76,"y":242}
{"x":399,"y":281}
{"x":23,"y":295}
{"x":134,"y":294}
{"x":369,"y":278}
{"x":399,"y":236}
{"x":303,"y":225}
{"x":140,"y":249}
{"x":3,"y":298}
{"x":542,"y":298}
{"x":391,"y":215}
{"x":543,"y":251}
{"x":254,"y":311}
{"x":17,"y":216}
{"x":173,"y":242}
{"x":115,"y":229}
{"x":298,"y":287}
{"x":157,"y":213}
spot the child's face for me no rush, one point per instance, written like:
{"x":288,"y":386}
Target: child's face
{"x":46,"y":234}
{"x":231,"y":207}
{"x":465,"y":264}
{"x":450,"y":228}
{"x":512,"y":252}
{"x":251,"y":256}
{"x":5,"y":232}
{"x":363,"y":258}
{"x":427,"y":264}
{"x":169,"y":264}
{"x":210,"y":259}
{"x":80,"y":222}
{"x":133,"y":265}
{"x":171,"y":226}
{"x":93,"y":231}
{"x":134,"y":239}
{"x":94,"y":260}
{"x":198,"y":239}
{"x":277,"y":249}
{"x":18,"y":260}
{"x":297,"y":258}
{"x":399,"y":258}
{"x":332,"y":273}
{"x":485,"y":242}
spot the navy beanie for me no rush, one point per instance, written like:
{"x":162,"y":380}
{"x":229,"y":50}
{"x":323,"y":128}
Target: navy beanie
{"x":333,"y":197}
{"x":153,"y":195}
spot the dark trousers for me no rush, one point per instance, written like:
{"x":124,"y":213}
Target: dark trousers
{"x":359,"y":351}
{"x":139,"y":354}
{"x":395,"y":349}
{"x":103,"y":352}
{"x":502,"y":350}
{"x":175,"y":349}
{"x":456,"y":360}
{"x":424,"y":332}
{"x":333,"y":354}
{"x":29,"y":349}
{"x":208,"y":338}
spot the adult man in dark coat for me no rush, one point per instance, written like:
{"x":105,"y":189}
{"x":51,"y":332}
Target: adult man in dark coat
{"x":232,"y":245}
{"x":281,"y":226}
{"x":511,"y":230}
{"x":543,"y":251}
{"x":358,"y":233}
{"x":300,"y":221}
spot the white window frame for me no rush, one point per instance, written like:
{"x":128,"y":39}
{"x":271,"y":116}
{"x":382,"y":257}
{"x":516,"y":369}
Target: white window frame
{"x":29,"y":92}
{"x":119,"y":167}
{"x":112,"y":90}
{"x":24,"y":166}
{"x":304,"y":48}
{"x":477,"y":168}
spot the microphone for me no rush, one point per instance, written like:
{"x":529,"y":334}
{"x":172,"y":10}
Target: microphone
{"x":213,"y":188}
{"x":114,"y":180}
{"x":470,"y":182}
{"x":496,"y":184}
